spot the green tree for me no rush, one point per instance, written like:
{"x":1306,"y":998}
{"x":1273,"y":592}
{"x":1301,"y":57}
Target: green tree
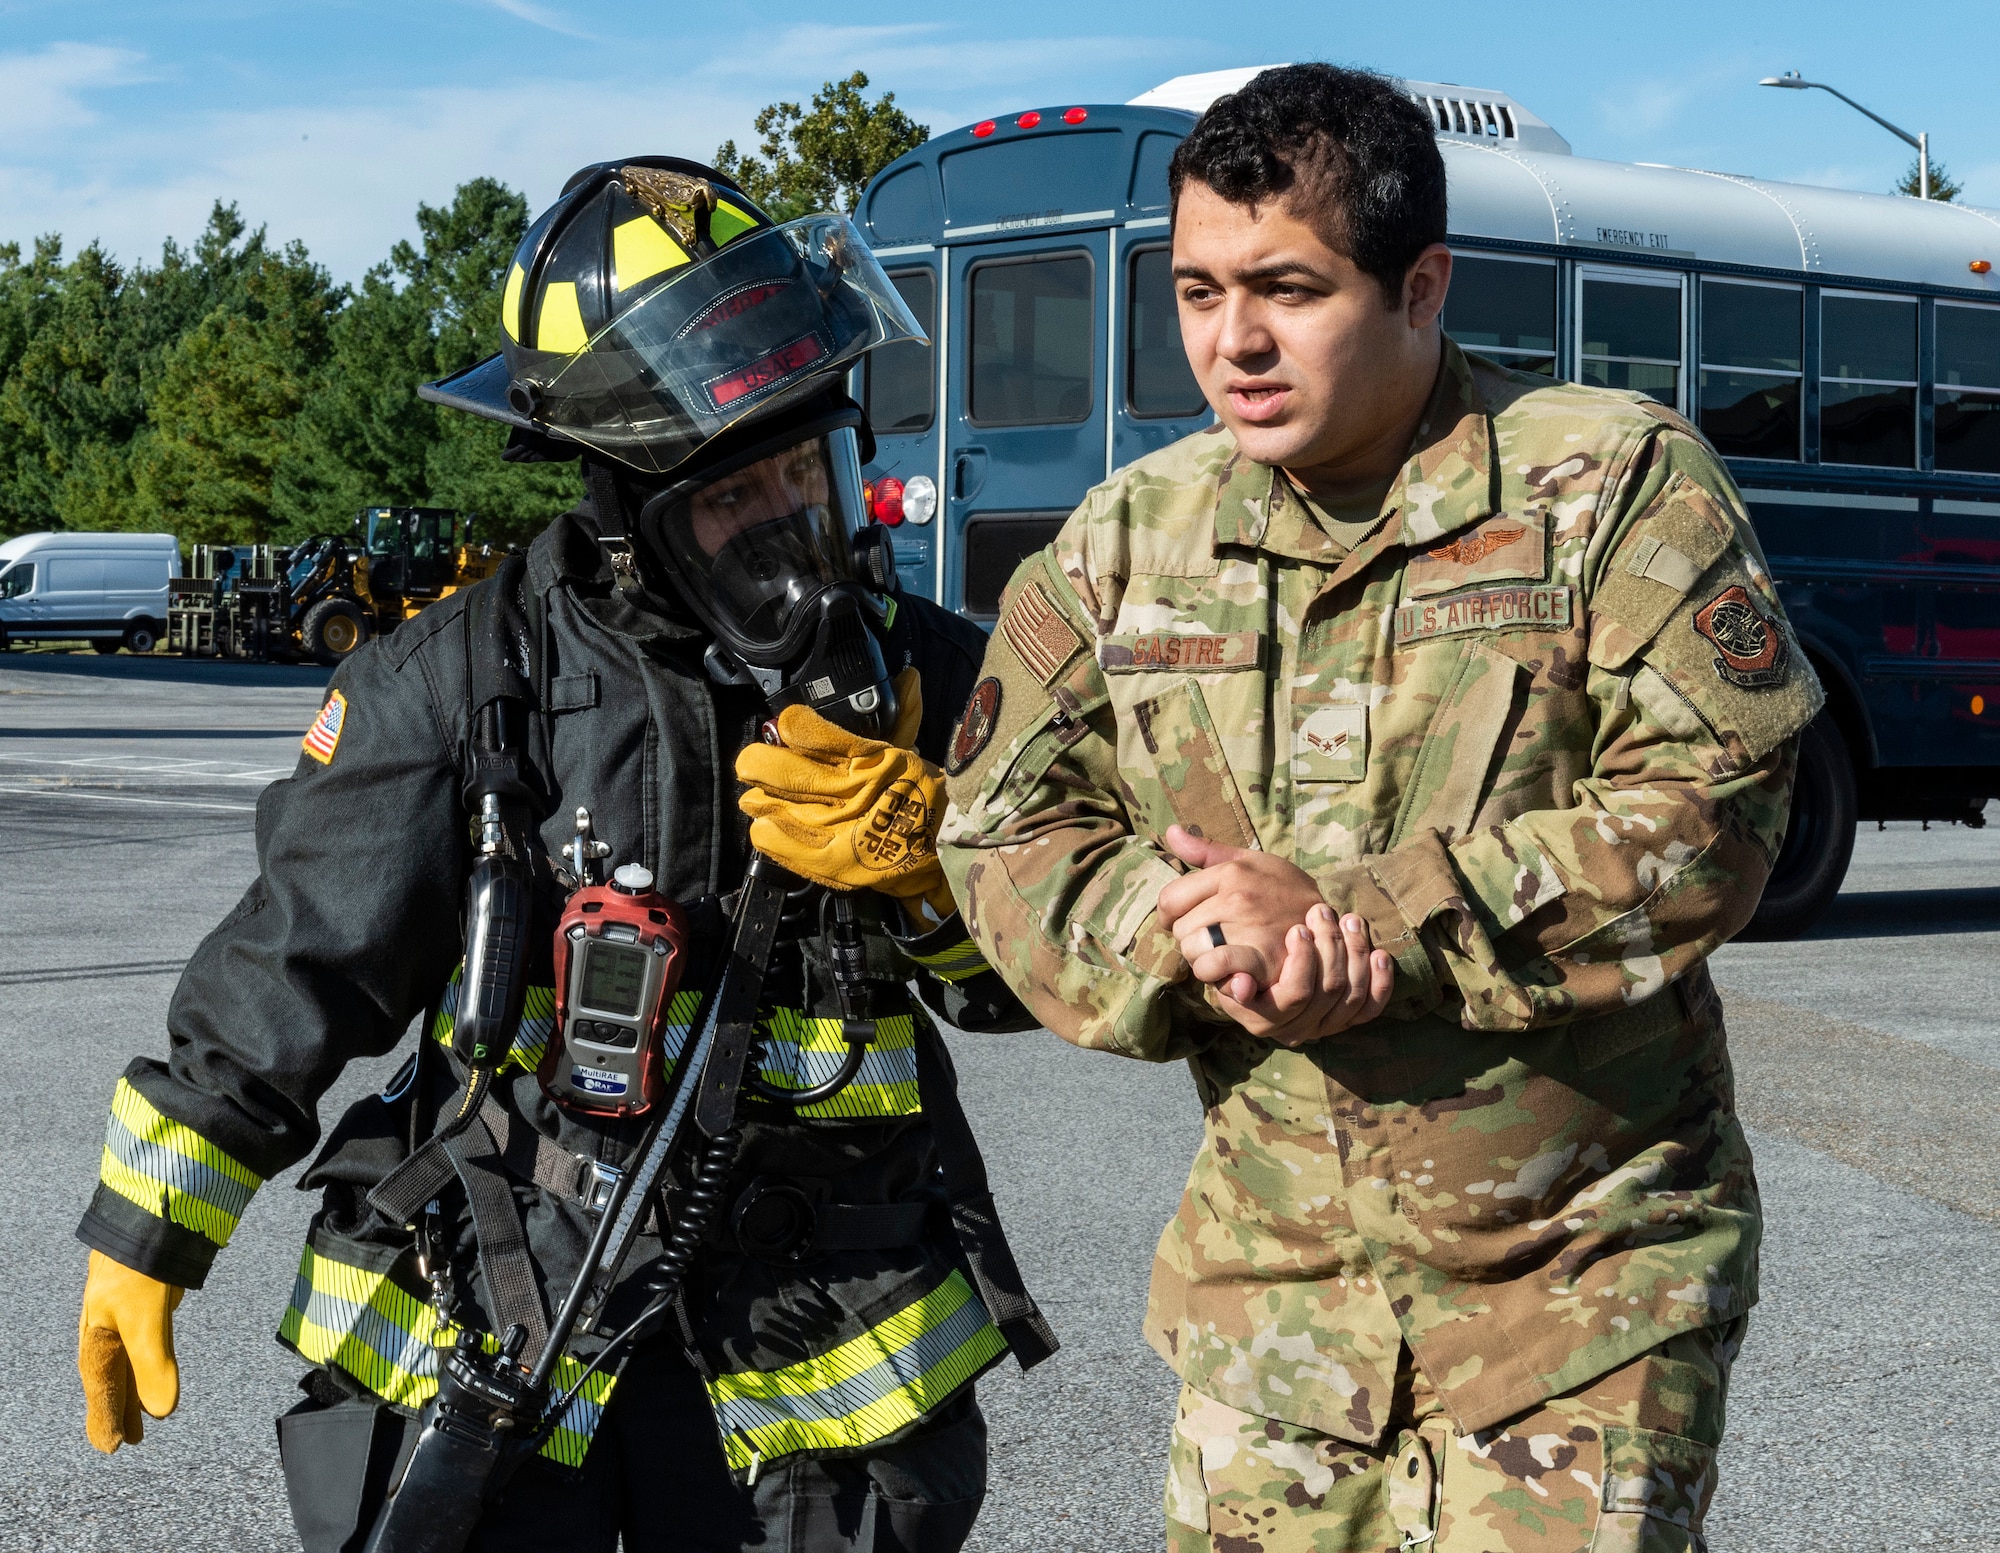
{"x":821,"y":157}
{"x":81,"y":343}
{"x":431,"y":309}
{"x":223,"y":409}
{"x":1943,"y":186}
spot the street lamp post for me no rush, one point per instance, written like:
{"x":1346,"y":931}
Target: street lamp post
{"x":1921,"y":140}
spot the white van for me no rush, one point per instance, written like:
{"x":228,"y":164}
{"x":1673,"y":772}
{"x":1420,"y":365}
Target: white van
{"x":109,"y":589}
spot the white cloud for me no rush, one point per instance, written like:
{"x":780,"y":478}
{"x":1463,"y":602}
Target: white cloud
{"x":922,"y":61}
{"x":346,"y":180}
{"x":540,"y":16}
{"x":43,"y":94}
{"x":345,"y":177}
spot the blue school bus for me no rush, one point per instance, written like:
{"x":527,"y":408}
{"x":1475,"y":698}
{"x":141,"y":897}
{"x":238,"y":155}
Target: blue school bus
{"x":1841,"y":350}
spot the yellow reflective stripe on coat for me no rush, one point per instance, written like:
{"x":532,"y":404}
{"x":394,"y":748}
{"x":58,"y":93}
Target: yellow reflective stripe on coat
{"x":170,"y":1170}
{"x":388,"y":1340}
{"x":961,"y":962}
{"x":538,"y":1022}
{"x":866,"y":1389}
{"x":801,"y":1050}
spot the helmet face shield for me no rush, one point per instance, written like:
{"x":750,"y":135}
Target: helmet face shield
{"x":757,"y":540}
{"x":760,"y":324}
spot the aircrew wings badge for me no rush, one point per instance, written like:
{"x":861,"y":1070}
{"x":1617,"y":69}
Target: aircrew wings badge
{"x":323,"y":737}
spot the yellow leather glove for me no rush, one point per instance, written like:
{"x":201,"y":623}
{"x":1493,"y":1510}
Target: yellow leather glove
{"x":848,"y":812}
{"x":125,"y":1352}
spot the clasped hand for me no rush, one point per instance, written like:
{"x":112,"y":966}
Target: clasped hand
{"x":1287,"y":969}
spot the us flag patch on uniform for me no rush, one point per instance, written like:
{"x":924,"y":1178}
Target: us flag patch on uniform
{"x":323,"y":737}
{"x":1039,"y":635}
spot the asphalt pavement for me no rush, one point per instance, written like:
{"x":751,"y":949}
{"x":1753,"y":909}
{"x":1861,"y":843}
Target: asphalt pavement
{"x":1862,"y":1411}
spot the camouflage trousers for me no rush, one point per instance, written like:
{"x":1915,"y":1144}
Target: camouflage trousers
{"x":1625,"y":1464}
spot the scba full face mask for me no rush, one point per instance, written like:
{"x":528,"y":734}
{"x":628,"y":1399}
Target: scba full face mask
{"x":758,"y":548}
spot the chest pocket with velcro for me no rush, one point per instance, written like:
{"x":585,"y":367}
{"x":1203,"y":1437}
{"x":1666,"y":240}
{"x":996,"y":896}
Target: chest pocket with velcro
{"x":1169,"y":746}
{"x":1455,"y":761}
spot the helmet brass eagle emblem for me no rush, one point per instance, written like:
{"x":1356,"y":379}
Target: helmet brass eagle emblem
{"x":679,"y":203}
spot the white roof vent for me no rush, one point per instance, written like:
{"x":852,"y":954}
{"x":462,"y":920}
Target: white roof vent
{"x":1458,"y":112}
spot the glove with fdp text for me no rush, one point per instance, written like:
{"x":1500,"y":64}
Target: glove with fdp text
{"x":125,"y":1352}
{"x":847,"y":812}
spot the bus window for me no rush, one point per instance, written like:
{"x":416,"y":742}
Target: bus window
{"x":1157,"y":378}
{"x":899,"y":386}
{"x":1751,"y":368}
{"x":1504,"y":309}
{"x":19,"y":580}
{"x":994,"y":547}
{"x":1968,"y":388}
{"x":1031,"y":341}
{"x":1631,"y":332}
{"x":1868,"y":379}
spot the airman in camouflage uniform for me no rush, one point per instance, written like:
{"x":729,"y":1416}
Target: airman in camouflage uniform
{"x":1475,"y":1270}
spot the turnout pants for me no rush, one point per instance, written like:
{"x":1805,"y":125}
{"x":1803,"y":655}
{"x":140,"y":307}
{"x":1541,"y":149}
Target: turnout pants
{"x":1625,"y":1464}
{"x":655,"y":1477}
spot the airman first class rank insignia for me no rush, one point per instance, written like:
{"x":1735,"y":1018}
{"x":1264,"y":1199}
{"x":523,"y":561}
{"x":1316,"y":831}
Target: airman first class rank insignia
{"x":323,"y":737}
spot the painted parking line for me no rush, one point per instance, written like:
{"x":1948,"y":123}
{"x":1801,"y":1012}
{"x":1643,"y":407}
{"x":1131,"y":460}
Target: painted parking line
{"x":91,"y":972}
{"x":128,"y":765}
{"x":158,"y":803}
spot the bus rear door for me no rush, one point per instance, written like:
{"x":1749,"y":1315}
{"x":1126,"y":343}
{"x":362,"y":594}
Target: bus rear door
{"x":898,"y":385}
{"x":1026,"y":410}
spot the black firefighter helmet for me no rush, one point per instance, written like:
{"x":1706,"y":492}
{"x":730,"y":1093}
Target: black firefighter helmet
{"x":654,"y":307}
{"x":693,"y":351}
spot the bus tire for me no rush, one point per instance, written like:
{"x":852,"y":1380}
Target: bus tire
{"x":333,"y":630}
{"x":141,"y":636}
{"x":1819,"y":841}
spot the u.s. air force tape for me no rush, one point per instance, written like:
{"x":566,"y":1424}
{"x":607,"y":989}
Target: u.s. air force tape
{"x":1505,"y":607}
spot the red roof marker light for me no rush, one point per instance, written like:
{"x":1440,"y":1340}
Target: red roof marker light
{"x":1029,"y":120}
{"x":983,"y":128}
{"x":1076,"y":115}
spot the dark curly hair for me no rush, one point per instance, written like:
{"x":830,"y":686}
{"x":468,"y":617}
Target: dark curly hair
{"x":1345,"y":150}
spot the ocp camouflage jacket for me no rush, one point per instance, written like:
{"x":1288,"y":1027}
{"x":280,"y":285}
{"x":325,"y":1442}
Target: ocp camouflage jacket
{"x":1537,"y":729}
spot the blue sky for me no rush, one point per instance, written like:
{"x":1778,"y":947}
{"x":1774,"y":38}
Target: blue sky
{"x":328,"y":122}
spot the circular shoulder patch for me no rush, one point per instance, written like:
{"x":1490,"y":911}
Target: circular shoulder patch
{"x":1751,"y":649}
{"x":975,"y":727}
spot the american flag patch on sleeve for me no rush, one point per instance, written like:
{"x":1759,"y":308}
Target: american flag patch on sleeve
{"x":323,"y":737}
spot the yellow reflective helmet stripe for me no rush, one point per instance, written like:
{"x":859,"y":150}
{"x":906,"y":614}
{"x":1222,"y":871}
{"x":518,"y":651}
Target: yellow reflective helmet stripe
{"x":727,"y":222}
{"x":170,"y":1170}
{"x":642,"y":248}
{"x":866,"y":1389}
{"x":510,"y":303}
{"x":387,"y":1338}
{"x":559,"y":326}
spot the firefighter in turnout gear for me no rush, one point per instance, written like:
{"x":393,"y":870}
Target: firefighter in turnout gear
{"x":705,"y":618}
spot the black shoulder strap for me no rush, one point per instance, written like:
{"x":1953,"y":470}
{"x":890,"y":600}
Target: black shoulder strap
{"x":499,"y":688}
{"x":973,"y":1216}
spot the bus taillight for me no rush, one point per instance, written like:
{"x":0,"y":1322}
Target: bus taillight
{"x":885,"y":501}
